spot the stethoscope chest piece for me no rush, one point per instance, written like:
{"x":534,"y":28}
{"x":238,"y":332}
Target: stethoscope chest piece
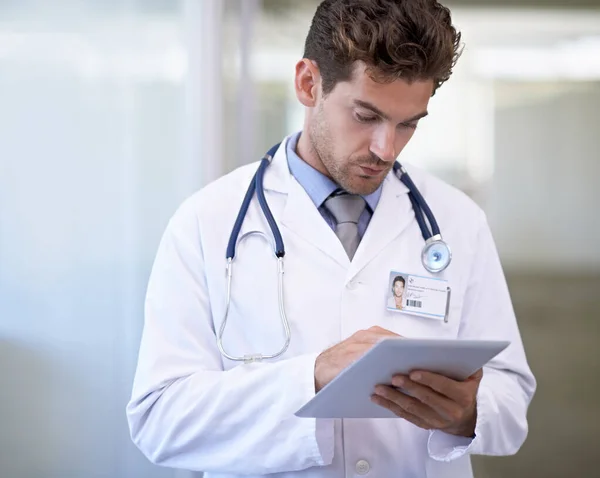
{"x":436,"y":254}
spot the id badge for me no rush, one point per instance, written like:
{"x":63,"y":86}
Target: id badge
{"x":417,"y":295}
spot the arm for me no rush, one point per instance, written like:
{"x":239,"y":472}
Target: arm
{"x":508,"y":385}
{"x":185,"y":411}
{"x":485,"y":414}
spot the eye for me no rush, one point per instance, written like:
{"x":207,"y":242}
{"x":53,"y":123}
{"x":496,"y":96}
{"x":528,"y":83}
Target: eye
{"x":365,"y":119}
{"x":408,"y":125}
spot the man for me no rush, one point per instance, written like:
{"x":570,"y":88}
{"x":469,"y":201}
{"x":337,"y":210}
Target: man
{"x":368,"y":72}
{"x":395,"y":302}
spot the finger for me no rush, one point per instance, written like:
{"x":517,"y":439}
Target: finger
{"x":374,"y":334}
{"x":411,"y":406}
{"x":400,"y":412}
{"x":455,"y":391}
{"x":437,"y":402}
{"x":380,"y":330}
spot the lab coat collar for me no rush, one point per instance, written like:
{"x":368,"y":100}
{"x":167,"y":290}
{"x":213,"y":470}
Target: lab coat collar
{"x":299,"y":215}
{"x":277,"y":176}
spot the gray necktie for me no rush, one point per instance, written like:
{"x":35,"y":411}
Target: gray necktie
{"x":346,"y":209}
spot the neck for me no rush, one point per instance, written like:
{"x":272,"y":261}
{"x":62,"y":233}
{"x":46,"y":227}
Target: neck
{"x":398,"y":299}
{"x":308,"y":154}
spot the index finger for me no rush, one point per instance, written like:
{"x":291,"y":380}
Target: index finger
{"x":380,"y":331}
{"x":374,"y":335}
{"x":448,"y":387}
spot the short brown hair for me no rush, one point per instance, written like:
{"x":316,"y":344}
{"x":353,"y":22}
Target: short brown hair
{"x":396,"y":39}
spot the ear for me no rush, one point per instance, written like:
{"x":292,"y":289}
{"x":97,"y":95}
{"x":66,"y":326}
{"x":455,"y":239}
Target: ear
{"x":307,"y":82}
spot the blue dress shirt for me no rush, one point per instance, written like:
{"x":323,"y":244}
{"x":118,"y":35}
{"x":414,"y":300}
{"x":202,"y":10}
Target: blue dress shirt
{"x":319,"y":187}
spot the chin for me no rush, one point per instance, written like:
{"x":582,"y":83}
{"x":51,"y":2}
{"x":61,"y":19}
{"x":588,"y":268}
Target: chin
{"x":364,"y":186}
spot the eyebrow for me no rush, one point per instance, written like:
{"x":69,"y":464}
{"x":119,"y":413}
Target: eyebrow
{"x":374,"y":109}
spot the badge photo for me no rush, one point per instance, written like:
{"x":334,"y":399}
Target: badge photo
{"x":417,"y":295}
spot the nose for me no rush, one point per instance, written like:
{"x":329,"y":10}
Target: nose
{"x":382,"y":143}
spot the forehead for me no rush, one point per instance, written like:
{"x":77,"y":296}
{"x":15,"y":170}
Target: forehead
{"x":397,"y":99}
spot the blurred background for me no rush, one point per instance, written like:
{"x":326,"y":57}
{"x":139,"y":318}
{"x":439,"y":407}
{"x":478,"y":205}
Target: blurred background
{"x":114,"y":111}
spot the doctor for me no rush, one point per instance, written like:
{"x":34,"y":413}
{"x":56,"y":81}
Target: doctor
{"x":347,"y":223}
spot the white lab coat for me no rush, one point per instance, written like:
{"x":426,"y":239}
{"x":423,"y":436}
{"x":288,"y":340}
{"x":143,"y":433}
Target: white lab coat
{"x":192,"y":409}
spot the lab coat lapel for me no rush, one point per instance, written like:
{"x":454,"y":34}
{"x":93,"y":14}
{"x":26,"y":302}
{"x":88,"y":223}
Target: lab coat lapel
{"x":391,"y":217}
{"x":300,"y":216}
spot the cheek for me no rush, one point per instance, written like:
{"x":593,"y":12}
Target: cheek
{"x":351,"y":139}
{"x":357,"y":138}
{"x":347,"y":137}
{"x":349,"y":129}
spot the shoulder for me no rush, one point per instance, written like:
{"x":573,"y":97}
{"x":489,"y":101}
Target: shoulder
{"x":216,"y":200}
{"x":220,"y":193}
{"x":439,"y":191}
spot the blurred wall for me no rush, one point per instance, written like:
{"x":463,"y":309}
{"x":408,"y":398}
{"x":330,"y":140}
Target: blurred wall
{"x":544,"y":196}
{"x":100,"y":128}
{"x":542,"y":205}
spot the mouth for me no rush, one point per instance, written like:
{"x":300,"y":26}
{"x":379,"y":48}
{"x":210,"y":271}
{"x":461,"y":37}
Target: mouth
{"x":373,"y":172}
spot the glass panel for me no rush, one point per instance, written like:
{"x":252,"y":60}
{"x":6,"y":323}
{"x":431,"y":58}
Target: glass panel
{"x":91,"y":145}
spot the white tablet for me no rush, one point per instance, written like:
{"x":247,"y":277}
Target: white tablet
{"x":349,"y":394}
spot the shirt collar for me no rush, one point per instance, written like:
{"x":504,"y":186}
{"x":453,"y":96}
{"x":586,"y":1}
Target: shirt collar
{"x":318,"y":186}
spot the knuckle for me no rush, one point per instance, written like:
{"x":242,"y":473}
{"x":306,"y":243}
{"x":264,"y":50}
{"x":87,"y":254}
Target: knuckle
{"x":467,"y":400}
{"x":457,"y":415}
{"x":470,"y":402}
{"x":376,"y":329}
{"x":439,"y":424}
{"x":425,"y":378}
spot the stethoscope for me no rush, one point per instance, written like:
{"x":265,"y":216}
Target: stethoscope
{"x":435,"y":256}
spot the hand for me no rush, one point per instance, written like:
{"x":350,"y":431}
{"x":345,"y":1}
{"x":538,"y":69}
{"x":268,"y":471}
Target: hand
{"x":437,"y":402}
{"x":333,"y":360}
